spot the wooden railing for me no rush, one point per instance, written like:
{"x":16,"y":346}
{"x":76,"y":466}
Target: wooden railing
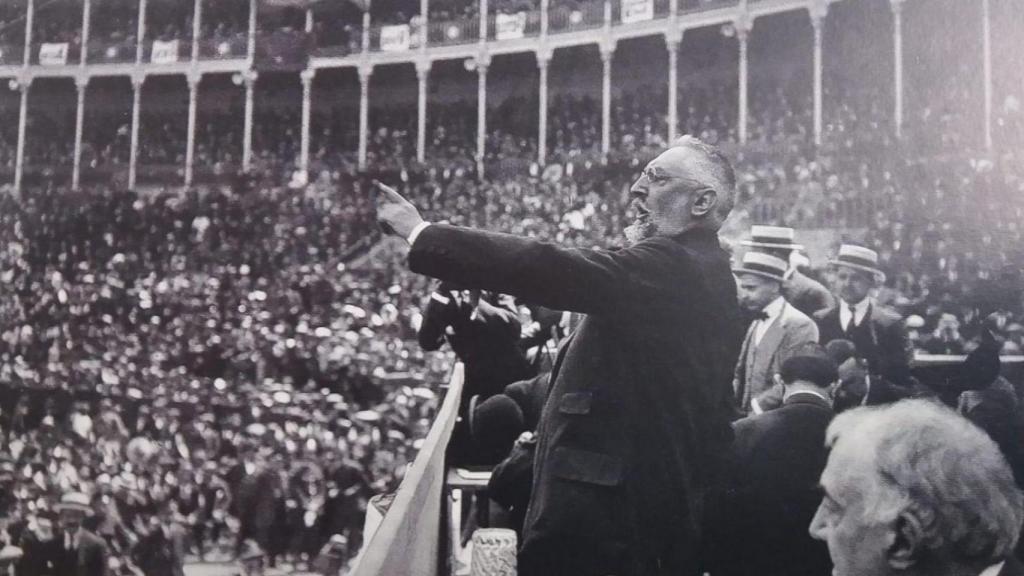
{"x":409,"y":539}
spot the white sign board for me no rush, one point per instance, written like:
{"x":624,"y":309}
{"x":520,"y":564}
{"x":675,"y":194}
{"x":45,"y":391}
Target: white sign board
{"x":510,"y":26}
{"x":394,"y":38}
{"x":164,"y":52}
{"x":53,"y":54}
{"x":637,"y":10}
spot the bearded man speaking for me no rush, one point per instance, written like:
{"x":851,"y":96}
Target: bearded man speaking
{"x":639,"y":406}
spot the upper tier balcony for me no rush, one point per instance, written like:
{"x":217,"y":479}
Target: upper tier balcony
{"x":578,"y":23}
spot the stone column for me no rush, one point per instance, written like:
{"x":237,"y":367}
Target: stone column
{"x":24,"y":84}
{"x":307,"y":77}
{"x":744,"y":26}
{"x":543,"y":59}
{"x":193,"y":78}
{"x":818,"y":12}
{"x":897,"y":42}
{"x":81,"y":83}
{"x":422,"y":76}
{"x":607,"y":49}
{"x":365,"y":71}
{"x":672,"y":41}
{"x":133,"y":152}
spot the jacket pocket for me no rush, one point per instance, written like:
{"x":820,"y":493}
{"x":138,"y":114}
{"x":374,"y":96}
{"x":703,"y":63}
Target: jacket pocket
{"x":575,"y":403}
{"x":589,"y":467}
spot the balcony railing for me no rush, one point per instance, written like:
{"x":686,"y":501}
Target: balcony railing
{"x":563,"y":16}
{"x":587,"y":16}
{"x":101,"y":52}
{"x":12,"y":54}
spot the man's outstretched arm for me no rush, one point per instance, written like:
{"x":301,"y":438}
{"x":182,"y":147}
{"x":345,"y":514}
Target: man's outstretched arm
{"x":543,"y":273}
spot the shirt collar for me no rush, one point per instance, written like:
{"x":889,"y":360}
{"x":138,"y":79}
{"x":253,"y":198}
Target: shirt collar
{"x":774,"y":309}
{"x":993,"y":570}
{"x":860,"y":307}
{"x":819,"y":395}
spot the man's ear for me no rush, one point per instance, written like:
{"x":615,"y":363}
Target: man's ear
{"x":906,"y":537}
{"x":778,"y":381}
{"x":704,"y":203}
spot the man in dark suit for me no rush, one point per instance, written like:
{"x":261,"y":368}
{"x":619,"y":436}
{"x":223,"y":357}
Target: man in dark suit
{"x":759,"y":516}
{"x":777,"y":331}
{"x":806,"y":294}
{"x":77,"y":551}
{"x":161,"y":552}
{"x":876,"y":332}
{"x":483,"y":330}
{"x":638,"y":412}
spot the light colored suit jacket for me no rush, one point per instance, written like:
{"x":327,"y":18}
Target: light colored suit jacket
{"x":758,"y":363}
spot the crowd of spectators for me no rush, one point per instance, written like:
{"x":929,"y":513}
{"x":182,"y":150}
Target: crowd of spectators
{"x":155,"y":346}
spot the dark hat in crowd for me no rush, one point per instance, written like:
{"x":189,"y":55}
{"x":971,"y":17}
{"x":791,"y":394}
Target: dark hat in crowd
{"x":810,"y":363}
{"x":494,"y":424}
{"x":250,"y":551}
{"x":981,"y":367}
{"x":840,"y":350}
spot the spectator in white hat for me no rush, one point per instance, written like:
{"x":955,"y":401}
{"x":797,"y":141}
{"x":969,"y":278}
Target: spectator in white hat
{"x":876,"y":331}
{"x":77,"y":551}
{"x":804,"y":293}
{"x":778,"y":329}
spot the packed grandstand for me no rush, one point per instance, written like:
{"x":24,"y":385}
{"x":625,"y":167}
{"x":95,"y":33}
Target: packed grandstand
{"x":154,"y":336}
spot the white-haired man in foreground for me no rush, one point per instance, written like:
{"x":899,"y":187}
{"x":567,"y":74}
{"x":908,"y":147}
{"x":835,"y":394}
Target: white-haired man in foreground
{"x":914,"y":489}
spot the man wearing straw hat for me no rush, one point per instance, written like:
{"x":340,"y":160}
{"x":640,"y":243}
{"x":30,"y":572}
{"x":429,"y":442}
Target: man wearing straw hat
{"x":77,"y":551}
{"x":805,"y":294}
{"x":777,"y":330}
{"x":876,"y":331}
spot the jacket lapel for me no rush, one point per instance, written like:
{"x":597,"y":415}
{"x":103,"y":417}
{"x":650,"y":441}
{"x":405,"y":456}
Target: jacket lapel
{"x":771,"y":339}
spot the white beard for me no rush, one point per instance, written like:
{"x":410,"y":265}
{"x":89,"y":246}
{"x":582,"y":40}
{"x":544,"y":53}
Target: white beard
{"x":639,"y":230}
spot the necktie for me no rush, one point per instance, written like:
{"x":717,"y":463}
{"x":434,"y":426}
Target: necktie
{"x":853,"y":319}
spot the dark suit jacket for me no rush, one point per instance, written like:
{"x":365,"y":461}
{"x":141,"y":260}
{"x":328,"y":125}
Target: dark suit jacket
{"x":807,"y":294}
{"x":759,"y":516}
{"x":90,"y":559}
{"x":880,"y":339}
{"x":638,"y":411}
{"x":160,"y":555}
{"x":1013,"y":567}
{"x":485,"y":340}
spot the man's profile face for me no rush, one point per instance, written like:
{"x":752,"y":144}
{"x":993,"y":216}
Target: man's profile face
{"x":755,"y":292}
{"x":853,"y":285}
{"x":662,"y":196}
{"x":858,"y":545}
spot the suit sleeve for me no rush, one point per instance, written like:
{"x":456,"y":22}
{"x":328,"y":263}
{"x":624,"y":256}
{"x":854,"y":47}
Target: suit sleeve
{"x":543,"y":273}
{"x":801,"y":334}
{"x":897,"y":351}
{"x":435,"y":319}
{"x":498,"y":321}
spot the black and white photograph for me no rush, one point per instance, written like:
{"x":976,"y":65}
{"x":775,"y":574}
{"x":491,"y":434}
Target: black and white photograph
{"x":511,"y":287}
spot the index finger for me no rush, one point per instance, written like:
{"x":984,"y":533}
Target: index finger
{"x":387,"y":190}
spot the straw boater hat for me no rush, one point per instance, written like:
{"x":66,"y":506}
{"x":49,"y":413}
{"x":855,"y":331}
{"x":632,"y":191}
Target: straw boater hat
{"x":764,"y":265}
{"x":771,"y":237}
{"x":77,"y":501}
{"x":858,"y":258}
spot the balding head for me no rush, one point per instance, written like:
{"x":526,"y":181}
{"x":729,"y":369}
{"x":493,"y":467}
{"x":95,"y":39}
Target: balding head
{"x":690,"y":185}
{"x":717,"y":172}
